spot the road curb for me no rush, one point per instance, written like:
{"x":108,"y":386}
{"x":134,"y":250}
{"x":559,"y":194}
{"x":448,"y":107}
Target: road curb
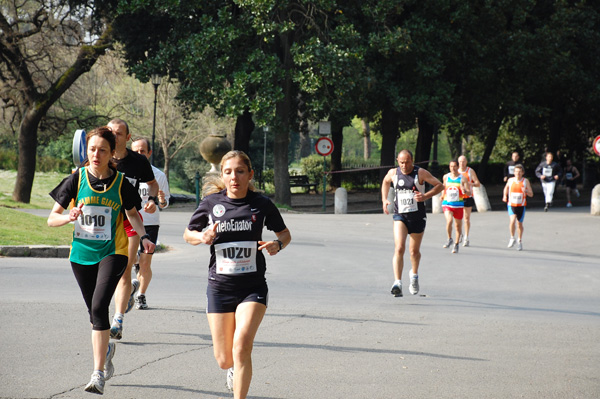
{"x":35,"y":251}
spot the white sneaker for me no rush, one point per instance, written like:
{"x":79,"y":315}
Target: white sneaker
{"x":230,"y":379}
{"x":466,"y":242}
{"x":135,"y":284}
{"x":569,"y":205}
{"x":109,"y":368}
{"x":397,"y":289}
{"x":519,"y":246}
{"x":577,"y":193}
{"x":96,"y":384}
{"x":413,"y":288}
{"x":140,"y":302}
{"x":455,"y":248}
{"x":448,"y":243}
{"x":511,"y":242}
{"x":116,"y":329}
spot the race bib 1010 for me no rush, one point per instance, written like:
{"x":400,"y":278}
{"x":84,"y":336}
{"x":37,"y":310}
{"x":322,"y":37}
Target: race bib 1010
{"x":94,"y":223}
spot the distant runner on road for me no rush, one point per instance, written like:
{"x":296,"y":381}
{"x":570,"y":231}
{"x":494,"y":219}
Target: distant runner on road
{"x":515,"y":194}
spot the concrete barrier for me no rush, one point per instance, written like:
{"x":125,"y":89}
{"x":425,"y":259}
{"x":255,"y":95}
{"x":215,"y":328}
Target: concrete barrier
{"x":436,"y":203}
{"x":481,"y":199}
{"x":35,"y":251}
{"x":595,"y":201}
{"x":341,"y":201}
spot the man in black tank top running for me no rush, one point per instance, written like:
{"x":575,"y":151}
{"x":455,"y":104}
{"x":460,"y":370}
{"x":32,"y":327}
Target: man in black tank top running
{"x":408,"y":183}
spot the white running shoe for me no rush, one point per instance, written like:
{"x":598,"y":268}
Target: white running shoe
{"x":135,"y":284}
{"x":413,"y":288}
{"x":140,"y":302}
{"x":397,"y":289}
{"x":448,"y":243}
{"x":511,"y":242}
{"x":116,"y":329}
{"x":96,"y":384}
{"x":109,"y":368}
{"x":569,"y":205}
{"x":230,"y":379}
{"x":455,"y":248}
{"x":519,"y":246}
{"x":466,"y":242}
{"x":577,"y":193}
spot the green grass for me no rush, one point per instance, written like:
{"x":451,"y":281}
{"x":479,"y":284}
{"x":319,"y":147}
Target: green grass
{"x":43,"y":183}
{"x":20,"y":228}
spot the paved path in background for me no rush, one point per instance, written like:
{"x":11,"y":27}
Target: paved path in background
{"x":489,"y":322}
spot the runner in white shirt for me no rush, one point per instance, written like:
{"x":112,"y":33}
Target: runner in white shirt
{"x":151,"y":221}
{"x":549,"y":172}
{"x":472,"y":180}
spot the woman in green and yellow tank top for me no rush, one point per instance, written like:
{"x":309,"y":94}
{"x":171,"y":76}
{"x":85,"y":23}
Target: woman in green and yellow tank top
{"x":99,"y":250}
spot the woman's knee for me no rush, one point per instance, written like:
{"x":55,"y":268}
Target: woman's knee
{"x":415,"y":253}
{"x":399,"y":249}
{"x":224,"y":360}
{"x":99,"y":317}
{"x":242,"y":348}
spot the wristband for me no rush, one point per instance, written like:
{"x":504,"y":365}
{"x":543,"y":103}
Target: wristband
{"x":145,"y":236}
{"x":280,"y":244}
{"x":153,"y":199}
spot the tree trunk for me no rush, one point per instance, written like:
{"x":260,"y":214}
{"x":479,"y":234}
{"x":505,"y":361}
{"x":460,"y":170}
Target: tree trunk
{"x":389,"y":135}
{"x":28,"y":140}
{"x":366,"y":128}
{"x":490,"y":142}
{"x":455,"y":143}
{"x":244,"y":126}
{"x":337,"y":136}
{"x":36,"y":106}
{"x":305,"y":144}
{"x":167,"y":168}
{"x":424,"y":141}
{"x":281,"y":174}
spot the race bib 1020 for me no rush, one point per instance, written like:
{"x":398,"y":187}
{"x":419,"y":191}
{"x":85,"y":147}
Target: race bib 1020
{"x":236,"y":257}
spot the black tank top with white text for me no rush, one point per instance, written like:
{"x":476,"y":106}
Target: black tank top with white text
{"x":405,"y":187}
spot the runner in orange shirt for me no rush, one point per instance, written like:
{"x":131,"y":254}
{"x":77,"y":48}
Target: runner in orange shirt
{"x":515,"y":194}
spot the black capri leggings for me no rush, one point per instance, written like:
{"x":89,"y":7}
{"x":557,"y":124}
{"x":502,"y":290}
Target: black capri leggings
{"x":98,"y":284}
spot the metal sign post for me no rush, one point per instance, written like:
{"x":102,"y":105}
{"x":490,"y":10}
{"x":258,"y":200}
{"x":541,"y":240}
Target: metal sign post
{"x":324,"y":147}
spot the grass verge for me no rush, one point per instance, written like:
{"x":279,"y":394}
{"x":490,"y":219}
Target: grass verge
{"x":19,"y":228}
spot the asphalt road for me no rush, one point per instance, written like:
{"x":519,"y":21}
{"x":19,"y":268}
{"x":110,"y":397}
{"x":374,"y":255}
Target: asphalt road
{"x":489,"y":322}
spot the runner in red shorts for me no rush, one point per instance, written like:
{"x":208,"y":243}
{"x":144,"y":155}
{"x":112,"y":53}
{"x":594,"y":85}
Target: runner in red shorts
{"x":136,"y":169}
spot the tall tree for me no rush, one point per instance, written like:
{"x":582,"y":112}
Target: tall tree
{"x":44,"y":48}
{"x":237,"y":56}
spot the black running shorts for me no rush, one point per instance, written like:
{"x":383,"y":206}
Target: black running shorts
{"x":227,"y":301}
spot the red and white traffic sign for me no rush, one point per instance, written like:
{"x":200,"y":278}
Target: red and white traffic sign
{"x":597,"y":145}
{"x":324,"y":146}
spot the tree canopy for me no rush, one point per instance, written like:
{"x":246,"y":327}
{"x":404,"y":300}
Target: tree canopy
{"x":472,"y":68}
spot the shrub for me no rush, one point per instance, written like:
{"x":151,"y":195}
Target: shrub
{"x":8,"y":160}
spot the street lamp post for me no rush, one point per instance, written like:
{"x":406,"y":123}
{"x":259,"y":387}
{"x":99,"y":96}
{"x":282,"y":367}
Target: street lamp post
{"x":156,"y":79}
